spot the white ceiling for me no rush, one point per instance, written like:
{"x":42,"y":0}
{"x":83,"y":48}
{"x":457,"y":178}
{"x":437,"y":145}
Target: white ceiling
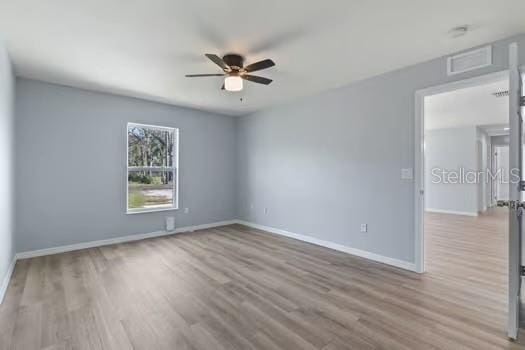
{"x":144,"y":48}
{"x":468,"y":107}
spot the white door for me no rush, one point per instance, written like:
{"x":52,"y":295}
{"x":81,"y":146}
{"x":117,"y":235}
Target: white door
{"x":516,"y":212}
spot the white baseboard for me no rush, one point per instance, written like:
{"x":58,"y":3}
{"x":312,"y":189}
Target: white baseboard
{"x":335,"y":246}
{"x":7,"y":278}
{"x":453,"y":212}
{"x":68,"y":248}
{"x":123,"y":239}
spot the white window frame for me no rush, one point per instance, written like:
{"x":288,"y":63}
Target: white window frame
{"x":174,"y":168}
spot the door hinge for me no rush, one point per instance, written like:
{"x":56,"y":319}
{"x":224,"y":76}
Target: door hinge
{"x":522,"y":185}
{"x":522,"y":101}
{"x":522,"y":270}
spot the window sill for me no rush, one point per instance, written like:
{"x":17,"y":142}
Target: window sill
{"x":149,"y":210}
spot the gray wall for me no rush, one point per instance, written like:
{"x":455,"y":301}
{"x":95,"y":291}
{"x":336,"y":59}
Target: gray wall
{"x":326,"y":163}
{"x":7,"y":246}
{"x":71,"y":165}
{"x":451,"y":149}
{"x":502,"y":140}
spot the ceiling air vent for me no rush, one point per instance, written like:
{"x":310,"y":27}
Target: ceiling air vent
{"x":502,"y":93}
{"x":470,"y":60}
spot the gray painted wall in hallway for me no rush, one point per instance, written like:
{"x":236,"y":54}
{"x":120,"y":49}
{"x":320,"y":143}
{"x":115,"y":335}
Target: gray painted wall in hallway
{"x":451,"y":149}
{"x":327,"y":163}
{"x":71,"y":165}
{"x":7,"y":245}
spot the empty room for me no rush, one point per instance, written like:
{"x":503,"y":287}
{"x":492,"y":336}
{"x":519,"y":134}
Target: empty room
{"x":261,"y":175}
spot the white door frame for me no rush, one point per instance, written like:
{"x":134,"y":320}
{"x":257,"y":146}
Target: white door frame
{"x":419,"y":173}
{"x":515,"y":193}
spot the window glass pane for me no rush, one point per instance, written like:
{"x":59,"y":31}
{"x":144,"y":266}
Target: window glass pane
{"x":150,"y":189}
{"x":150,"y":147}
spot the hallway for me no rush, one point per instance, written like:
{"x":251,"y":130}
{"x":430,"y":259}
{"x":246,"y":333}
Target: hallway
{"x":468,"y":255}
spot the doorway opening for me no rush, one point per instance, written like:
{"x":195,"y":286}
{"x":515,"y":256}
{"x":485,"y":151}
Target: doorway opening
{"x":462,"y":170}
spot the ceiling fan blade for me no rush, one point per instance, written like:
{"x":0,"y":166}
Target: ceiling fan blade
{"x":256,"y":79}
{"x":259,"y":65}
{"x":218,"y":61}
{"x":203,"y":75}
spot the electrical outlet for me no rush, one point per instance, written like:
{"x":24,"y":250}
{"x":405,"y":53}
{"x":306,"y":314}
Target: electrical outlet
{"x":364,"y":227}
{"x":266,"y":211}
{"x":186,"y":210}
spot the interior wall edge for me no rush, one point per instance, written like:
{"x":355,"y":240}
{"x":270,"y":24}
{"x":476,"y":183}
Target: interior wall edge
{"x":7,"y":175}
{"x":7,"y":279}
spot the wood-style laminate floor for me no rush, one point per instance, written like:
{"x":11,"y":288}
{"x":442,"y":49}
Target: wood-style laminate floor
{"x":239,"y":288}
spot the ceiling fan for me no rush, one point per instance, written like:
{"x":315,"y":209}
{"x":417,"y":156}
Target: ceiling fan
{"x":235,"y":72}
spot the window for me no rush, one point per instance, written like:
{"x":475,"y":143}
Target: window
{"x":152,"y":168}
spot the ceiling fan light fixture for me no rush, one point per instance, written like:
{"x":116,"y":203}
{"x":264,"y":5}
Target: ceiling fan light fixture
{"x":234,"y":71}
{"x":233,"y":83}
